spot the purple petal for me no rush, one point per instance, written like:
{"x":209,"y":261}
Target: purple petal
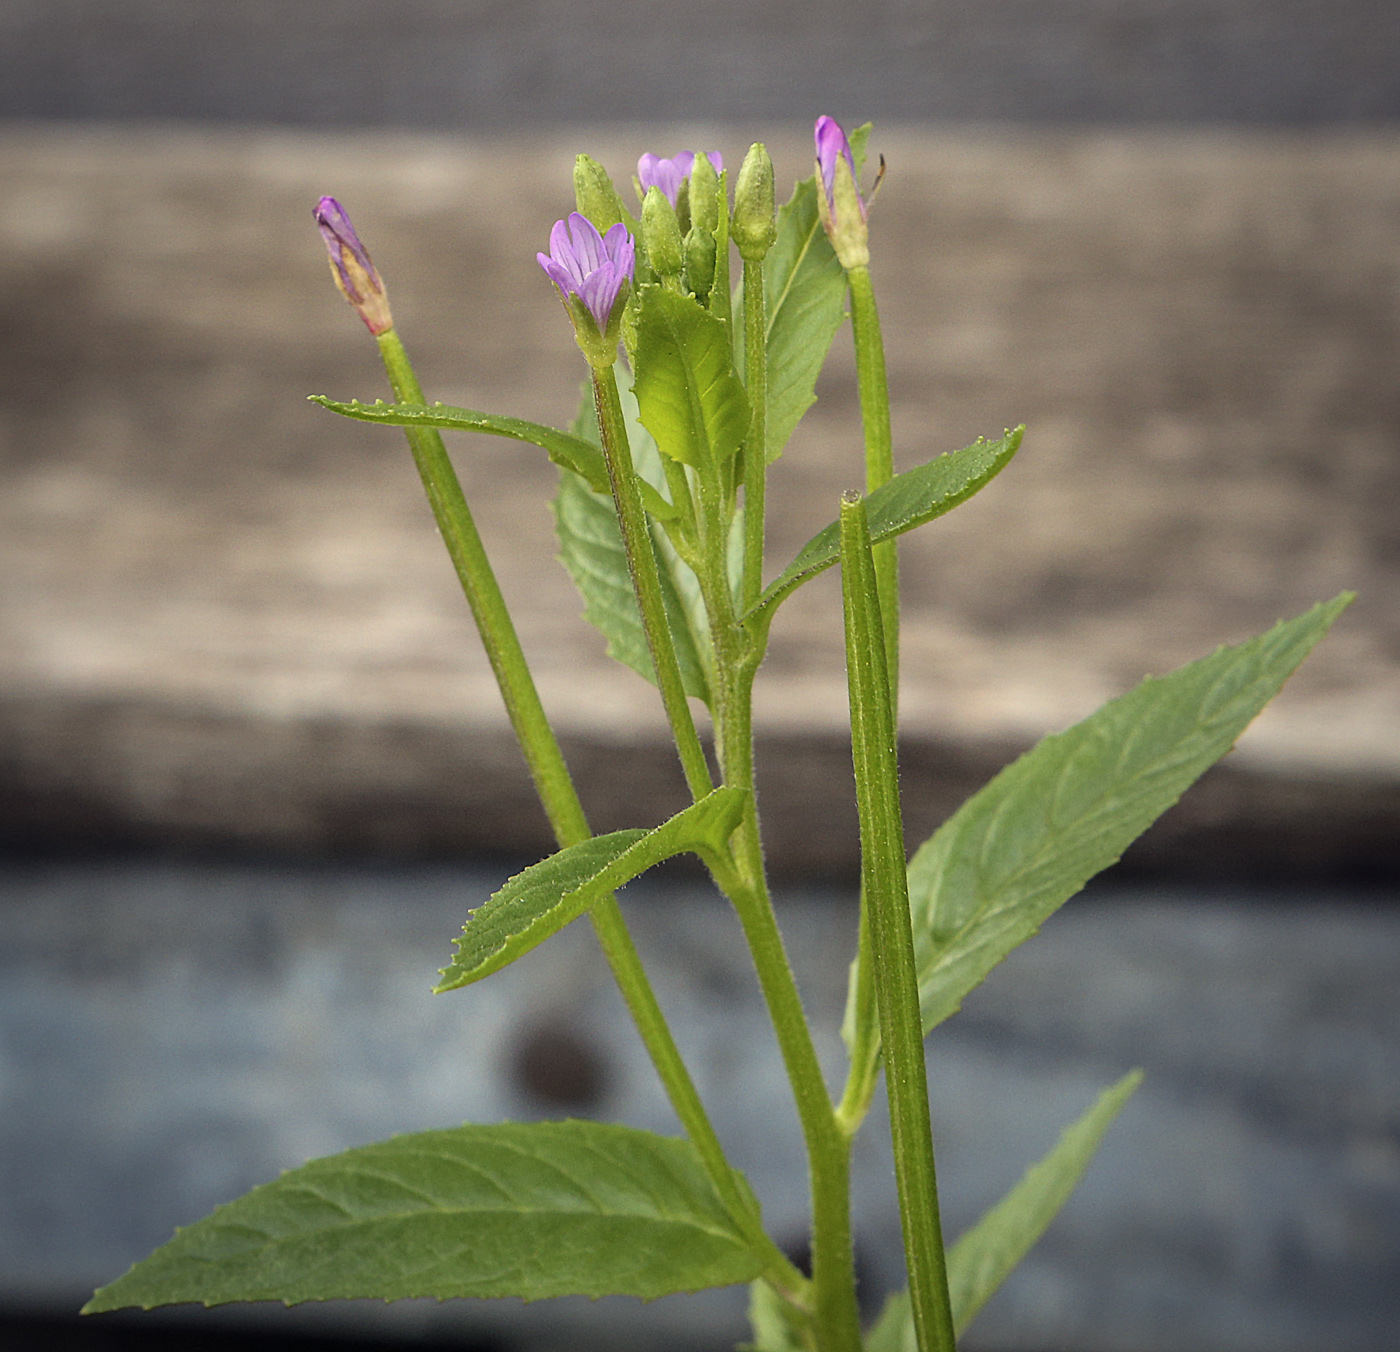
{"x":340,"y":235}
{"x":831,"y":142}
{"x":684,"y":162}
{"x":335,"y":224}
{"x":599,"y":292}
{"x":557,"y":273}
{"x":587,"y":243}
{"x":717,"y":160}
{"x":617,"y":243}
{"x":646,"y":171}
{"x":654,"y":172}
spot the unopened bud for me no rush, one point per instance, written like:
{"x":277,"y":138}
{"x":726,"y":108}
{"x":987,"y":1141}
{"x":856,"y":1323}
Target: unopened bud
{"x":753,"y":228}
{"x":354,"y":273}
{"x":839,"y":202}
{"x":661,"y":235}
{"x":700,"y":262}
{"x":594,"y":192}
{"x":704,"y":194}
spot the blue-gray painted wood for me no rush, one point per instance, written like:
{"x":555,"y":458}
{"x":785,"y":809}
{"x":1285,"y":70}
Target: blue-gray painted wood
{"x":171,"y":1035}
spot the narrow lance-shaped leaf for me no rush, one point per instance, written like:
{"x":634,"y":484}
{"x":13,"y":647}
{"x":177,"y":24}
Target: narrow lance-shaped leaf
{"x":544,"y":898}
{"x":908,"y":500}
{"x":566,"y":449}
{"x":1014,"y":852}
{"x":530,"y":1210}
{"x":986,"y":1255}
{"x":690,"y":398}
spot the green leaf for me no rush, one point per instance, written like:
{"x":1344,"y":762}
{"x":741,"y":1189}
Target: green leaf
{"x":804,"y":286}
{"x":590,"y":546}
{"x":776,"y":1326}
{"x":894,"y":1329}
{"x":1014,"y":852}
{"x":908,"y":500}
{"x":986,"y":1254}
{"x":691,"y":400}
{"x":529,"y":1210}
{"x":548,"y":895}
{"x":565,"y":449}
{"x":983,"y":1257}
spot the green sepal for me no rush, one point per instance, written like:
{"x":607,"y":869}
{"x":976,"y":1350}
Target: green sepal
{"x":539,"y":902}
{"x":908,"y":500}
{"x":996,"y":870}
{"x":986,"y":1254}
{"x":522,"y":1209}
{"x":690,"y":398}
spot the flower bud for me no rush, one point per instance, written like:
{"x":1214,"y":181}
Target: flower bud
{"x":354,"y":273}
{"x":594,"y":192}
{"x":753,"y":228}
{"x":700,"y":262}
{"x":704,"y":194}
{"x":839,"y":201}
{"x":661,"y":235}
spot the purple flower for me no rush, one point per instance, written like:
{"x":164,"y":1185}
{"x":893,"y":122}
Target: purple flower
{"x":831,"y":146}
{"x":668,"y":175}
{"x":351,"y":267}
{"x":593,"y":267}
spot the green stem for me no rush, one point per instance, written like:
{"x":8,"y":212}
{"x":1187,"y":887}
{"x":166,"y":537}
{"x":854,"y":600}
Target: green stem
{"x":556,"y":790}
{"x":836,"y":1315}
{"x":742,"y":879}
{"x":641,"y":561}
{"x":756,"y":446}
{"x":879,"y":450}
{"x":885,"y":890}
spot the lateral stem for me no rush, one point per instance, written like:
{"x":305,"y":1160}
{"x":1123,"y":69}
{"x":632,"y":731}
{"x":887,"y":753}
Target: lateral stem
{"x":641,"y":561}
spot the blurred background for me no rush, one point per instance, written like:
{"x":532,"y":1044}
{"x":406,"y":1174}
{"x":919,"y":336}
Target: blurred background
{"x":253,"y":769}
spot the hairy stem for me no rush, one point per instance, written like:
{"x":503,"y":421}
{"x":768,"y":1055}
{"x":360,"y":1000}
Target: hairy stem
{"x":890,"y":937}
{"x":557,"y":793}
{"x":743,"y":880}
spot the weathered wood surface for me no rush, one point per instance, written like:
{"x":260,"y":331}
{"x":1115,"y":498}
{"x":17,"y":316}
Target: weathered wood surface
{"x":226,"y":618}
